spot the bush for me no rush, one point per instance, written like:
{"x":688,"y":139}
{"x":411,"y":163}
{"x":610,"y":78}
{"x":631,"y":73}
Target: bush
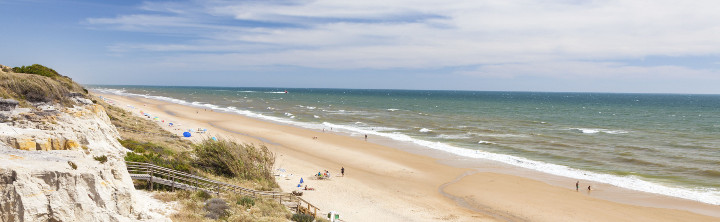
{"x":35,"y":88}
{"x":246,"y":201}
{"x":216,"y":208}
{"x":231,"y":159}
{"x":302,"y":218}
{"x":38,"y":70}
{"x":101,"y":159}
{"x":155,"y":154}
{"x":72,"y":165}
{"x":203,"y":195}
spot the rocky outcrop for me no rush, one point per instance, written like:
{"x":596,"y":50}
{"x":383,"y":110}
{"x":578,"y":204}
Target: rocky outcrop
{"x":8,"y":104}
{"x":47,"y":169}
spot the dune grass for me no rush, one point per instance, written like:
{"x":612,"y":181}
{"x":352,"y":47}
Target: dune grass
{"x":35,"y":88}
{"x":224,"y":160}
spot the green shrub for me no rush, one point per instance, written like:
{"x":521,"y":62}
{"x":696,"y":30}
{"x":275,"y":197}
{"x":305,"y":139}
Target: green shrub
{"x":146,"y":152}
{"x":38,"y":70}
{"x":203,"y":195}
{"x":302,"y":218}
{"x":101,"y":159}
{"x":231,"y":159}
{"x":246,"y":201}
{"x":72,"y":165}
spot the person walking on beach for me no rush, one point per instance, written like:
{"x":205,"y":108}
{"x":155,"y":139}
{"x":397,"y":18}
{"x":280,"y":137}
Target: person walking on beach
{"x":577,"y":186}
{"x":342,"y":171}
{"x":365,"y":137}
{"x":589,"y":188}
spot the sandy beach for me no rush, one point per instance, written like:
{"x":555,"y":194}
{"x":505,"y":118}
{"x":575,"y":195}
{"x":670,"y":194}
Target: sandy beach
{"x":385,"y":183}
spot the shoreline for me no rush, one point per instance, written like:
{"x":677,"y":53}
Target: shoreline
{"x":416,"y":178}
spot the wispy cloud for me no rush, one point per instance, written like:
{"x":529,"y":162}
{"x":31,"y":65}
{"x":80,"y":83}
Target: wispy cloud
{"x":535,"y":37}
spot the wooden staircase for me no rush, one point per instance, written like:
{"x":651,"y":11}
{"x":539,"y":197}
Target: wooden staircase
{"x":174,"y":179}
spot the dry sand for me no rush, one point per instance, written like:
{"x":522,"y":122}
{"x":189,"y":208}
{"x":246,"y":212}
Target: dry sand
{"x":382,"y":183}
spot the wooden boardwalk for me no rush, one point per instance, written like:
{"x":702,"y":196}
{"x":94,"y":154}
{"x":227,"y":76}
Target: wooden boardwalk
{"x":174,"y":179}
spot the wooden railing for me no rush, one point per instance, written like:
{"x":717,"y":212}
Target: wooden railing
{"x":181,"y":180}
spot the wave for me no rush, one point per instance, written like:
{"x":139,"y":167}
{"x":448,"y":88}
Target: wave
{"x":705,"y":195}
{"x":445,"y":136}
{"x":425,"y":130}
{"x":594,"y":131}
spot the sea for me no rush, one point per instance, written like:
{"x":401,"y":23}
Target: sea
{"x":666,"y":144}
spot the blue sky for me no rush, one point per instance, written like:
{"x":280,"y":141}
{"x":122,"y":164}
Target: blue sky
{"x":561,"y":45}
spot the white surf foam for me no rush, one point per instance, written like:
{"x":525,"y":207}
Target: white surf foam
{"x":594,"y":131}
{"x":451,"y":137}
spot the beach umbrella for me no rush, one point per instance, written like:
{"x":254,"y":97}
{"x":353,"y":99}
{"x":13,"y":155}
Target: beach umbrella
{"x":171,"y":124}
{"x":298,"y":185}
{"x":301,"y":180}
{"x":213,"y":138}
{"x":186,"y":134}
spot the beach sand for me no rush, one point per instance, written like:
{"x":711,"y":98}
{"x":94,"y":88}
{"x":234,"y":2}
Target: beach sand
{"x":382,"y":183}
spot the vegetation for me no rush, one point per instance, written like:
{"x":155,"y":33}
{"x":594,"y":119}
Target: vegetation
{"x":38,"y":70}
{"x":302,"y":218}
{"x":147,"y":152}
{"x":231,"y":159}
{"x":246,"y":201}
{"x":101,"y":159}
{"x":224,"y":160}
{"x":38,"y":88}
{"x":72,"y":165}
{"x":216,"y":208}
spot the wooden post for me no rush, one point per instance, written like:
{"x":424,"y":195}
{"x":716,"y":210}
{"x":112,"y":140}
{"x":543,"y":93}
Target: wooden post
{"x":151,"y":179}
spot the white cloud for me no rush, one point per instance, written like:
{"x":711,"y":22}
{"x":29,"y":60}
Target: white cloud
{"x":592,"y":70}
{"x":543,"y":37}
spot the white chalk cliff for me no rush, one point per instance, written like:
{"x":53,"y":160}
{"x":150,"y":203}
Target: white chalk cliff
{"x":48,"y":171}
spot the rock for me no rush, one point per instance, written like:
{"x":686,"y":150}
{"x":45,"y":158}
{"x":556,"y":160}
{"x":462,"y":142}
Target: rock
{"x":25,"y":144}
{"x":55,"y":144}
{"x":71,"y":145}
{"x":42,"y":186}
{"x":8,"y":104}
{"x":44,"y":144}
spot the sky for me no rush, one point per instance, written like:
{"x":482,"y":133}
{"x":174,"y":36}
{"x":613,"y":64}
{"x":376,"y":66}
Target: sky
{"x":639,"y":46}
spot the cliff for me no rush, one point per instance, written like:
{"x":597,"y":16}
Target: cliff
{"x":53,"y":146}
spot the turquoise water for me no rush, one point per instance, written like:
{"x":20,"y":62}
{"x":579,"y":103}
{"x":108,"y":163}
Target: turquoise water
{"x":661,"y":143}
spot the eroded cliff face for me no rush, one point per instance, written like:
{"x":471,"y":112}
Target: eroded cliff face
{"x":48,"y":171}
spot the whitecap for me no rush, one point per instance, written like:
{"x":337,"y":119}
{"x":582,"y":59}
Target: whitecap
{"x":453,"y":137}
{"x":425,"y":130}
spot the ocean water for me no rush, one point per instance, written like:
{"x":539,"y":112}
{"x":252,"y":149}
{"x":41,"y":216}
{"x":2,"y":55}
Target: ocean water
{"x":659,"y":143}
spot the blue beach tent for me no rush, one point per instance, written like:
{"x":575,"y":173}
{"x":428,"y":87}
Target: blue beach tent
{"x":186,"y":134}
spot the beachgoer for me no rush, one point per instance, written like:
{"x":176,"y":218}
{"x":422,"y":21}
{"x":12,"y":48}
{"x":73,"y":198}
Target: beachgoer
{"x":589,"y":188}
{"x":365,"y":137}
{"x":342,"y":171}
{"x":577,"y":186}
